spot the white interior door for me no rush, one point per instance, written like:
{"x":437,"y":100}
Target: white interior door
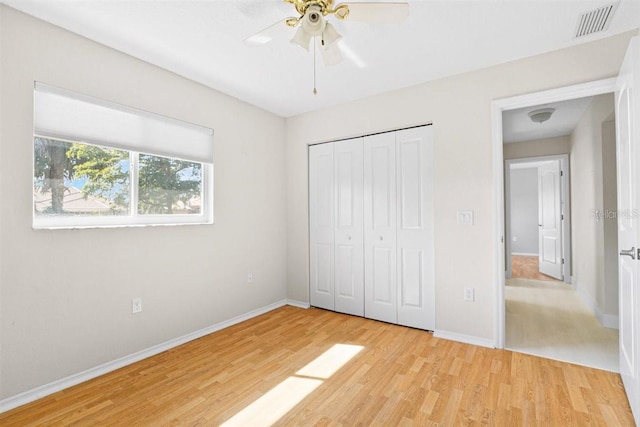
{"x":349,"y":238}
{"x":414,"y":194}
{"x":321,"y":226}
{"x":628,"y":143}
{"x":550,"y":219}
{"x":380,"y":227}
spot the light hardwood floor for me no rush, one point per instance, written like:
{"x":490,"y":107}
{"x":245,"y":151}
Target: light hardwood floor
{"x":399,"y":376}
{"x":527,"y":267}
{"x":549,"y":319}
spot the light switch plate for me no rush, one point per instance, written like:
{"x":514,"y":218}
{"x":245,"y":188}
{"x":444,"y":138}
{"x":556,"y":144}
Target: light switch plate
{"x":136,"y":305}
{"x":469,"y":294}
{"x":465,"y":217}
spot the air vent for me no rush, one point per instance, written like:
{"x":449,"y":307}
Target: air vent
{"x":596,"y":20}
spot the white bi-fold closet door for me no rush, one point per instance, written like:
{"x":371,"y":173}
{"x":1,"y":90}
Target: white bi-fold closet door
{"x":336,"y":231}
{"x":371,"y":227}
{"x":398,"y":242}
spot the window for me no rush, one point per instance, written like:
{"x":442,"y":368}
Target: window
{"x":99,"y":164}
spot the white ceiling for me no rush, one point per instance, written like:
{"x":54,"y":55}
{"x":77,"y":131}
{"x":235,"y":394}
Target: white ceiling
{"x":202,"y":40}
{"x":518,"y":127}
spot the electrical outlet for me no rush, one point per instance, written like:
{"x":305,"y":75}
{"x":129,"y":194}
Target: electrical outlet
{"x":249,"y":277}
{"x":469,"y":294}
{"x":136,"y":305}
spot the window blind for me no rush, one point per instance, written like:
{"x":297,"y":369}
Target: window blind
{"x":67,"y":115}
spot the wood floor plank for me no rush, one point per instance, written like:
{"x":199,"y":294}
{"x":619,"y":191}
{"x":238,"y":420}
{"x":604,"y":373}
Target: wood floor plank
{"x":401,"y":376}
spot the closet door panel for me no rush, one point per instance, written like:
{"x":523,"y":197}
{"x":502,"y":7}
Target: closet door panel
{"x":416,"y":290}
{"x":383,"y":280}
{"x":349,"y":239}
{"x":380,"y":227}
{"x":410,"y":171}
{"x":321,"y":226}
{"x":411,"y":280}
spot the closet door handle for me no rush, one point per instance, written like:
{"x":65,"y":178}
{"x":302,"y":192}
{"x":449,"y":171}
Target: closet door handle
{"x":380,"y":237}
{"x":348,"y":237}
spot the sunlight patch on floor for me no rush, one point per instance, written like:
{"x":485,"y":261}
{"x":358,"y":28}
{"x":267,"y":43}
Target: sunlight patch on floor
{"x":282,"y":398}
{"x":272,"y":406}
{"x":330,"y":361}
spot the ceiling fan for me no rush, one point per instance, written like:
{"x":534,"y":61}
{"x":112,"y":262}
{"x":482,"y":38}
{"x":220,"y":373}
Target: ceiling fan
{"x":313,"y":23}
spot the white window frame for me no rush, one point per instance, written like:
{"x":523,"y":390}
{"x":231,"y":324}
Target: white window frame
{"x":133,"y":219}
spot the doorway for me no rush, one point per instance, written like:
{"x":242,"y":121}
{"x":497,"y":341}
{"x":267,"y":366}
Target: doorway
{"x":545,"y":314}
{"x":522,"y":301}
{"x":538,"y":218}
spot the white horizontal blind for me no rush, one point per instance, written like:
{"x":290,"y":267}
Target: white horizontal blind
{"x":66,"y":115}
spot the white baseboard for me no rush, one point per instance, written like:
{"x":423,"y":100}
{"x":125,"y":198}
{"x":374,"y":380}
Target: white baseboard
{"x":298,"y":304}
{"x":467,"y":339}
{"x":63,"y":383}
{"x":606,"y":320}
{"x":524,"y":254}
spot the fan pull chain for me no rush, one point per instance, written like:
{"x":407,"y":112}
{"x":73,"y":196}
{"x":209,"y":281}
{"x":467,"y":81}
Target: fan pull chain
{"x":315,"y":90}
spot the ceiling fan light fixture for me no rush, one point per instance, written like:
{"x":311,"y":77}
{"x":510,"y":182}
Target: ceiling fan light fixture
{"x":313,"y":21}
{"x":302,"y":38}
{"x":541,"y":115}
{"x":330,"y":35}
{"x":331,"y":54}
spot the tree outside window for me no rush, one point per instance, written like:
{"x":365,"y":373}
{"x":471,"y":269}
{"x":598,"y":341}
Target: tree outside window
{"x":73,"y":178}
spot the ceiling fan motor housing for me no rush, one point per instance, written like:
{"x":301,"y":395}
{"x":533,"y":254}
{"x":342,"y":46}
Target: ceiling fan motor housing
{"x":303,"y":5}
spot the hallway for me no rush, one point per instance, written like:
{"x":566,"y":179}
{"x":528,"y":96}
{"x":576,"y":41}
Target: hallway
{"x":548,"y":319}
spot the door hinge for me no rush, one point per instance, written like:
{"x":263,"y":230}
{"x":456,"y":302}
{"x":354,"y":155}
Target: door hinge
{"x":561,"y":173}
{"x":563,"y":260}
{"x":562,"y":217}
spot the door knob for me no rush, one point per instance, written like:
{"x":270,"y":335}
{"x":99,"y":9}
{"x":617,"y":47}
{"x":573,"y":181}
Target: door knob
{"x":631,"y":252}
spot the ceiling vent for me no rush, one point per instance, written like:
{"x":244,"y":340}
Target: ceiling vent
{"x":596,"y":20}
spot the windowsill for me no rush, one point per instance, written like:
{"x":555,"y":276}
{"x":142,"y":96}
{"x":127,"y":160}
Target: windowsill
{"x":74,"y":223}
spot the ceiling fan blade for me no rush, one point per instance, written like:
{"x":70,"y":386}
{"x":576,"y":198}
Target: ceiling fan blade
{"x":377,"y":13}
{"x":331,"y":54}
{"x":268,"y":34}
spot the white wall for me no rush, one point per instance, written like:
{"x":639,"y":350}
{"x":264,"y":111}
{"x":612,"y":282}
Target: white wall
{"x":537,"y":148}
{"x":523,"y":185}
{"x":610,"y":204}
{"x":65,"y":296}
{"x":460,"y":109}
{"x":587,"y":196}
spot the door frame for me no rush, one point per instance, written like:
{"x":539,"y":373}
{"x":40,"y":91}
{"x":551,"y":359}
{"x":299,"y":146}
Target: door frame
{"x":565,"y":197}
{"x":597,"y":87}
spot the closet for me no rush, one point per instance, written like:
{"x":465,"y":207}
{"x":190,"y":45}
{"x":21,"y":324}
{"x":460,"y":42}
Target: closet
{"x":371,"y":227}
